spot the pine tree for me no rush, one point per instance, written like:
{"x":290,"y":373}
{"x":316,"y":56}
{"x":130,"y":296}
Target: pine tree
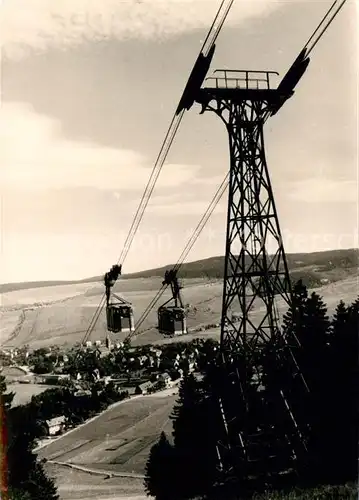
{"x":6,"y":398}
{"x":342,"y":413}
{"x":293,"y":319}
{"x":194,"y":436}
{"x":25,"y":477}
{"x":160,"y":470}
{"x":18,"y":495}
{"x":307,"y":319}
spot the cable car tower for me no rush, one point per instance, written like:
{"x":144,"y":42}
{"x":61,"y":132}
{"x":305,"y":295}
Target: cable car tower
{"x":119,"y":312}
{"x":172,"y":317}
{"x":255,"y":275}
{"x":256,"y":398}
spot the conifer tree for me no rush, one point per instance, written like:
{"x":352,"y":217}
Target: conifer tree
{"x":194,"y":435}
{"x":25,"y":476}
{"x":307,"y":319}
{"x":18,"y":495}
{"x":342,"y":408}
{"x":160,"y":470}
{"x":293,"y":319}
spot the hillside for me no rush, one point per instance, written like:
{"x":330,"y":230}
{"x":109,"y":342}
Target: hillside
{"x":65,"y":320}
{"x":312,"y":268}
{"x":48,"y":314}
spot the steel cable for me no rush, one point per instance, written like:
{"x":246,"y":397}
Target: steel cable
{"x":172,"y":130}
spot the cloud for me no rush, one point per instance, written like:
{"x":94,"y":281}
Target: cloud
{"x":185,"y":208}
{"x":323,"y":190}
{"x":34,"y":154}
{"x":215,"y":180}
{"x":41,"y":24}
{"x":189,"y":201}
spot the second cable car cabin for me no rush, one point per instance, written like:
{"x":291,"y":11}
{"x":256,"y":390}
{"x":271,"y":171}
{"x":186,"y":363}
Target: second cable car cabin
{"x":172,"y":317}
{"x":119,"y":312}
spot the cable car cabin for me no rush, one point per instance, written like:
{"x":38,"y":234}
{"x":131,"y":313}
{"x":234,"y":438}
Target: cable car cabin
{"x":172,"y":320}
{"x":120,"y":318}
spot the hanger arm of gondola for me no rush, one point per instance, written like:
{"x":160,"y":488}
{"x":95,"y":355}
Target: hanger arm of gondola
{"x":172,"y":315}
{"x":192,"y":240}
{"x":198,"y":74}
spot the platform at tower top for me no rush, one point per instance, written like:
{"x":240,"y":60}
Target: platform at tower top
{"x":239,"y":85}
{"x":240,"y":79}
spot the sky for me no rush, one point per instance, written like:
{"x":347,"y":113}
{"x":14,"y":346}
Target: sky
{"x":88,"y":90}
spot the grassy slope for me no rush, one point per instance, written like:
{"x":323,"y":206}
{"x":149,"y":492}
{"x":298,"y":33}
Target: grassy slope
{"x":65,"y":321}
{"x":71,"y":307}
{"x":77,"y":485}
{"x":212,"y":267}
{"x":119,"y":439}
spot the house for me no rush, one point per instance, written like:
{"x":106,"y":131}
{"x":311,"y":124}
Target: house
{"x":191,"y":367}
{"x":55,"y":425}
{"x":29,"y":378}
{"x":4,"y":353}
{"x":143,"y":388}
{"x":142,"y":360}
{"x":131,"y":390}
{"x":51,"y":378}
{"x":156,"y":352}
{"x":165,"y":377}
{"x":13,"y":353}
{"x":82,"y":392}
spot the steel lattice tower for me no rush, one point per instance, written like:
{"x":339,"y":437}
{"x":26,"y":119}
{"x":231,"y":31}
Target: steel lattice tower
{"x":251,"y":276}
{"x":255,"y":274}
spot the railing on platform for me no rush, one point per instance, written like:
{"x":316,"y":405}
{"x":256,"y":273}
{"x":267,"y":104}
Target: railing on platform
{"x":240,"y":79}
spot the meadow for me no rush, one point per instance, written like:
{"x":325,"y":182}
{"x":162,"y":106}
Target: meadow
{"x":118,"y":441}
{"x":64,"y":321}
{"x":24,"y":392}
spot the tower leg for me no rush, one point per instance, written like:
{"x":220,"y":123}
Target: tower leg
{"x":255,"y":265}
{"x":261,"y":434}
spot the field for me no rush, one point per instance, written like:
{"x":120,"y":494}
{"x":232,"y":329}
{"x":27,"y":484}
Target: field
{"x":119,"y":439}
{"x":117,"y":442}
{"x":78,"y":485}
{"x":24,"y":392}
{"x":109,"y":453}
{"x":65,"y":320}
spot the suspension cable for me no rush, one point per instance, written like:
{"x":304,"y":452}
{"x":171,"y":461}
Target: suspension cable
{"x":169,"y":138}
{"x":146,"y":312}
{"x":215,"y":32}
{"x":211,"y":28}
{"x":196,"y":233}
{"x":320,"y":24}
{"x":170,"y":135}
{"x":173,"y":128}
{"x":309,"y":46}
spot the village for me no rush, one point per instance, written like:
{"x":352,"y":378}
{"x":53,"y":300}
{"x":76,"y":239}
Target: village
{"x":123,"y":370}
